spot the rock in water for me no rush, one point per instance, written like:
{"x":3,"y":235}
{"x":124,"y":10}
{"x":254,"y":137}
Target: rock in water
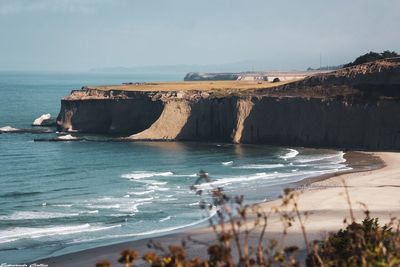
{"x":42,"y":120}
{"x":7,"y":129}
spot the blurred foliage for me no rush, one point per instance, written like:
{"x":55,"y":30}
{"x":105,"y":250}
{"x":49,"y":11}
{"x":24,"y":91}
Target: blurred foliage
{"x":365,"y":244}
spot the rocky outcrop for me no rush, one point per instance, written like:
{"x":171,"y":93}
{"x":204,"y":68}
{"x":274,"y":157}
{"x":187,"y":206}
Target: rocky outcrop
{"x":109,"y":115}
{"x":321,"y":111}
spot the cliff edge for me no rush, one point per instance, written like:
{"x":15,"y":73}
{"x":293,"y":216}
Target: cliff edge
{"x":356,"y":107}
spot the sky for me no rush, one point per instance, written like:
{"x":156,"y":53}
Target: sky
{"x":79,"y":35}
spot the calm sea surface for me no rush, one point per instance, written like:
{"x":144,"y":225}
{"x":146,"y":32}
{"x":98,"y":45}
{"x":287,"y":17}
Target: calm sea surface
{"x":60,"y":197}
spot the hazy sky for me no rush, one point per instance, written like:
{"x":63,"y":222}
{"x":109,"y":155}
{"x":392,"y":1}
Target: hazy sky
{"x":79,"y":35}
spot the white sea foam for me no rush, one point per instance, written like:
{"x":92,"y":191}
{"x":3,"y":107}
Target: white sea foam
{"x":143,"y":174}
{"x":134,"y":207}
{"x":141,"y":193}
{"x":291,"y":154}
{"x":313,"y":158}
{"x":260,"y":166}
{"x":165,"y":219}
{"x":67,"y":137}
{"x":227,"y":163}
{"x":106,"y":206}
{"x":158,"y":183}
{"x":185,"y":175}
{"x":30,"y":215}
{"x":157,"y":188}
{"x":89,"y":212}
{"x":213,"y":211}
{"x":242,"y":178}
{"x":63,"y":205}
{"x":13,"y":234}
{"x":8,"y":129}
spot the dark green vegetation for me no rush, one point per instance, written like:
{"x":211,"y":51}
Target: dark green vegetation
{"x":360,"y":244}
{"x":372,"y":56}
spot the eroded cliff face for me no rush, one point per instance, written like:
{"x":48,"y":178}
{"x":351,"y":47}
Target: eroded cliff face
{"x":328,"y":113}
{"x":321,"y":123}
{"x":110,"y":115}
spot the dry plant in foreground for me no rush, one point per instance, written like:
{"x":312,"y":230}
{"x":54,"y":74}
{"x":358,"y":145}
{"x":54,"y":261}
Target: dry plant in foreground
{"x":234,"y":222}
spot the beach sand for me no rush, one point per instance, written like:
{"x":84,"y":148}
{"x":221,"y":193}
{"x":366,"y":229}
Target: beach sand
{"x":378,"y":189}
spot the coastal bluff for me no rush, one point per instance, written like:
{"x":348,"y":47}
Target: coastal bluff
{"x":355,"y":108}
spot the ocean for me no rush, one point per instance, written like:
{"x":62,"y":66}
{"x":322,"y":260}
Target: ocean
{"x":61,"y":197}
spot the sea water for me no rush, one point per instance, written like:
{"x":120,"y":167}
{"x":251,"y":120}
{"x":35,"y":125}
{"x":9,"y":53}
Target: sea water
{"x":60,"y":197}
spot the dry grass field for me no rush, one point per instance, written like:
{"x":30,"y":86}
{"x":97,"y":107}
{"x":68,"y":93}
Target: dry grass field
{"x":184,"y":86}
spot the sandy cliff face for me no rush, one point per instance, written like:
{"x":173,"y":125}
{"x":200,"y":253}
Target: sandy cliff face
{"x":322,"y":111}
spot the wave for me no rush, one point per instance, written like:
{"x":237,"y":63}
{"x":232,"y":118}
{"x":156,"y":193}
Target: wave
{"x":141,"y":193}
{"x":62,"y":205}
{"x":165,"y":219}
{"x":14,"y":234}
{"x":242,"y":178}
{"x":67,"y":137}
{"x":89,"y":212}
{"x":36,"y":215}
{"x":291,"y":154}
{"x":143,"y":174}
{"x":227,"y":163}
{"x":213,"y":211}
{"x":158,"y":183}
{"x":157,"y":188}
{"x":134,"y":208}
{"x":308,"y":159}
{"x":260,"y":166}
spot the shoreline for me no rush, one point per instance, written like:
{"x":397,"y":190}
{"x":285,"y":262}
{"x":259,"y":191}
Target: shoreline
{"x":360,"y":162}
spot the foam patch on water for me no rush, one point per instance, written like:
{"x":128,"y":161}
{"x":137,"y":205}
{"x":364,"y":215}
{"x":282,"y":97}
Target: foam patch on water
{"x":291,"y":154}
{"x":14,"y":234}
{"x":35,"y":215}
{"x":8,"y":129}
{"x":227,"y":163}
{"x":62,"y":205}
{"x":212,"y":212}
{"x":237,"y":179}
{"x":141,"y":192}
{"x":157,"y":188}
{"x":260,"y":166}
{"x":143,"y":174}
{"x":67,"y":137}
{"x":314,"y":158}
{"x":165,"y":219}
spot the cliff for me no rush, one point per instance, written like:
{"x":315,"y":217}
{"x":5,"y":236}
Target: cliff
{"x":357,"y":107}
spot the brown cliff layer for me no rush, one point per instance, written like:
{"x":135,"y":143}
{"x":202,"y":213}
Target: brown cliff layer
{"x":357,"y":107}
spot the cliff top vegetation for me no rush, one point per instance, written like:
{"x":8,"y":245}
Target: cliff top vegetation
{"x":372,"y":56}
{"x":184,"y":86}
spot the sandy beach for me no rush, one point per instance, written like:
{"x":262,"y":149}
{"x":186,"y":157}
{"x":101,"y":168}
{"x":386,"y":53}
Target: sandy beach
{"x":378,"y":189}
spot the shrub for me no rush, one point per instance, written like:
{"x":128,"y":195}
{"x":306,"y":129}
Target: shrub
{"x":372,"y":56}
{"x":359,"y":244}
